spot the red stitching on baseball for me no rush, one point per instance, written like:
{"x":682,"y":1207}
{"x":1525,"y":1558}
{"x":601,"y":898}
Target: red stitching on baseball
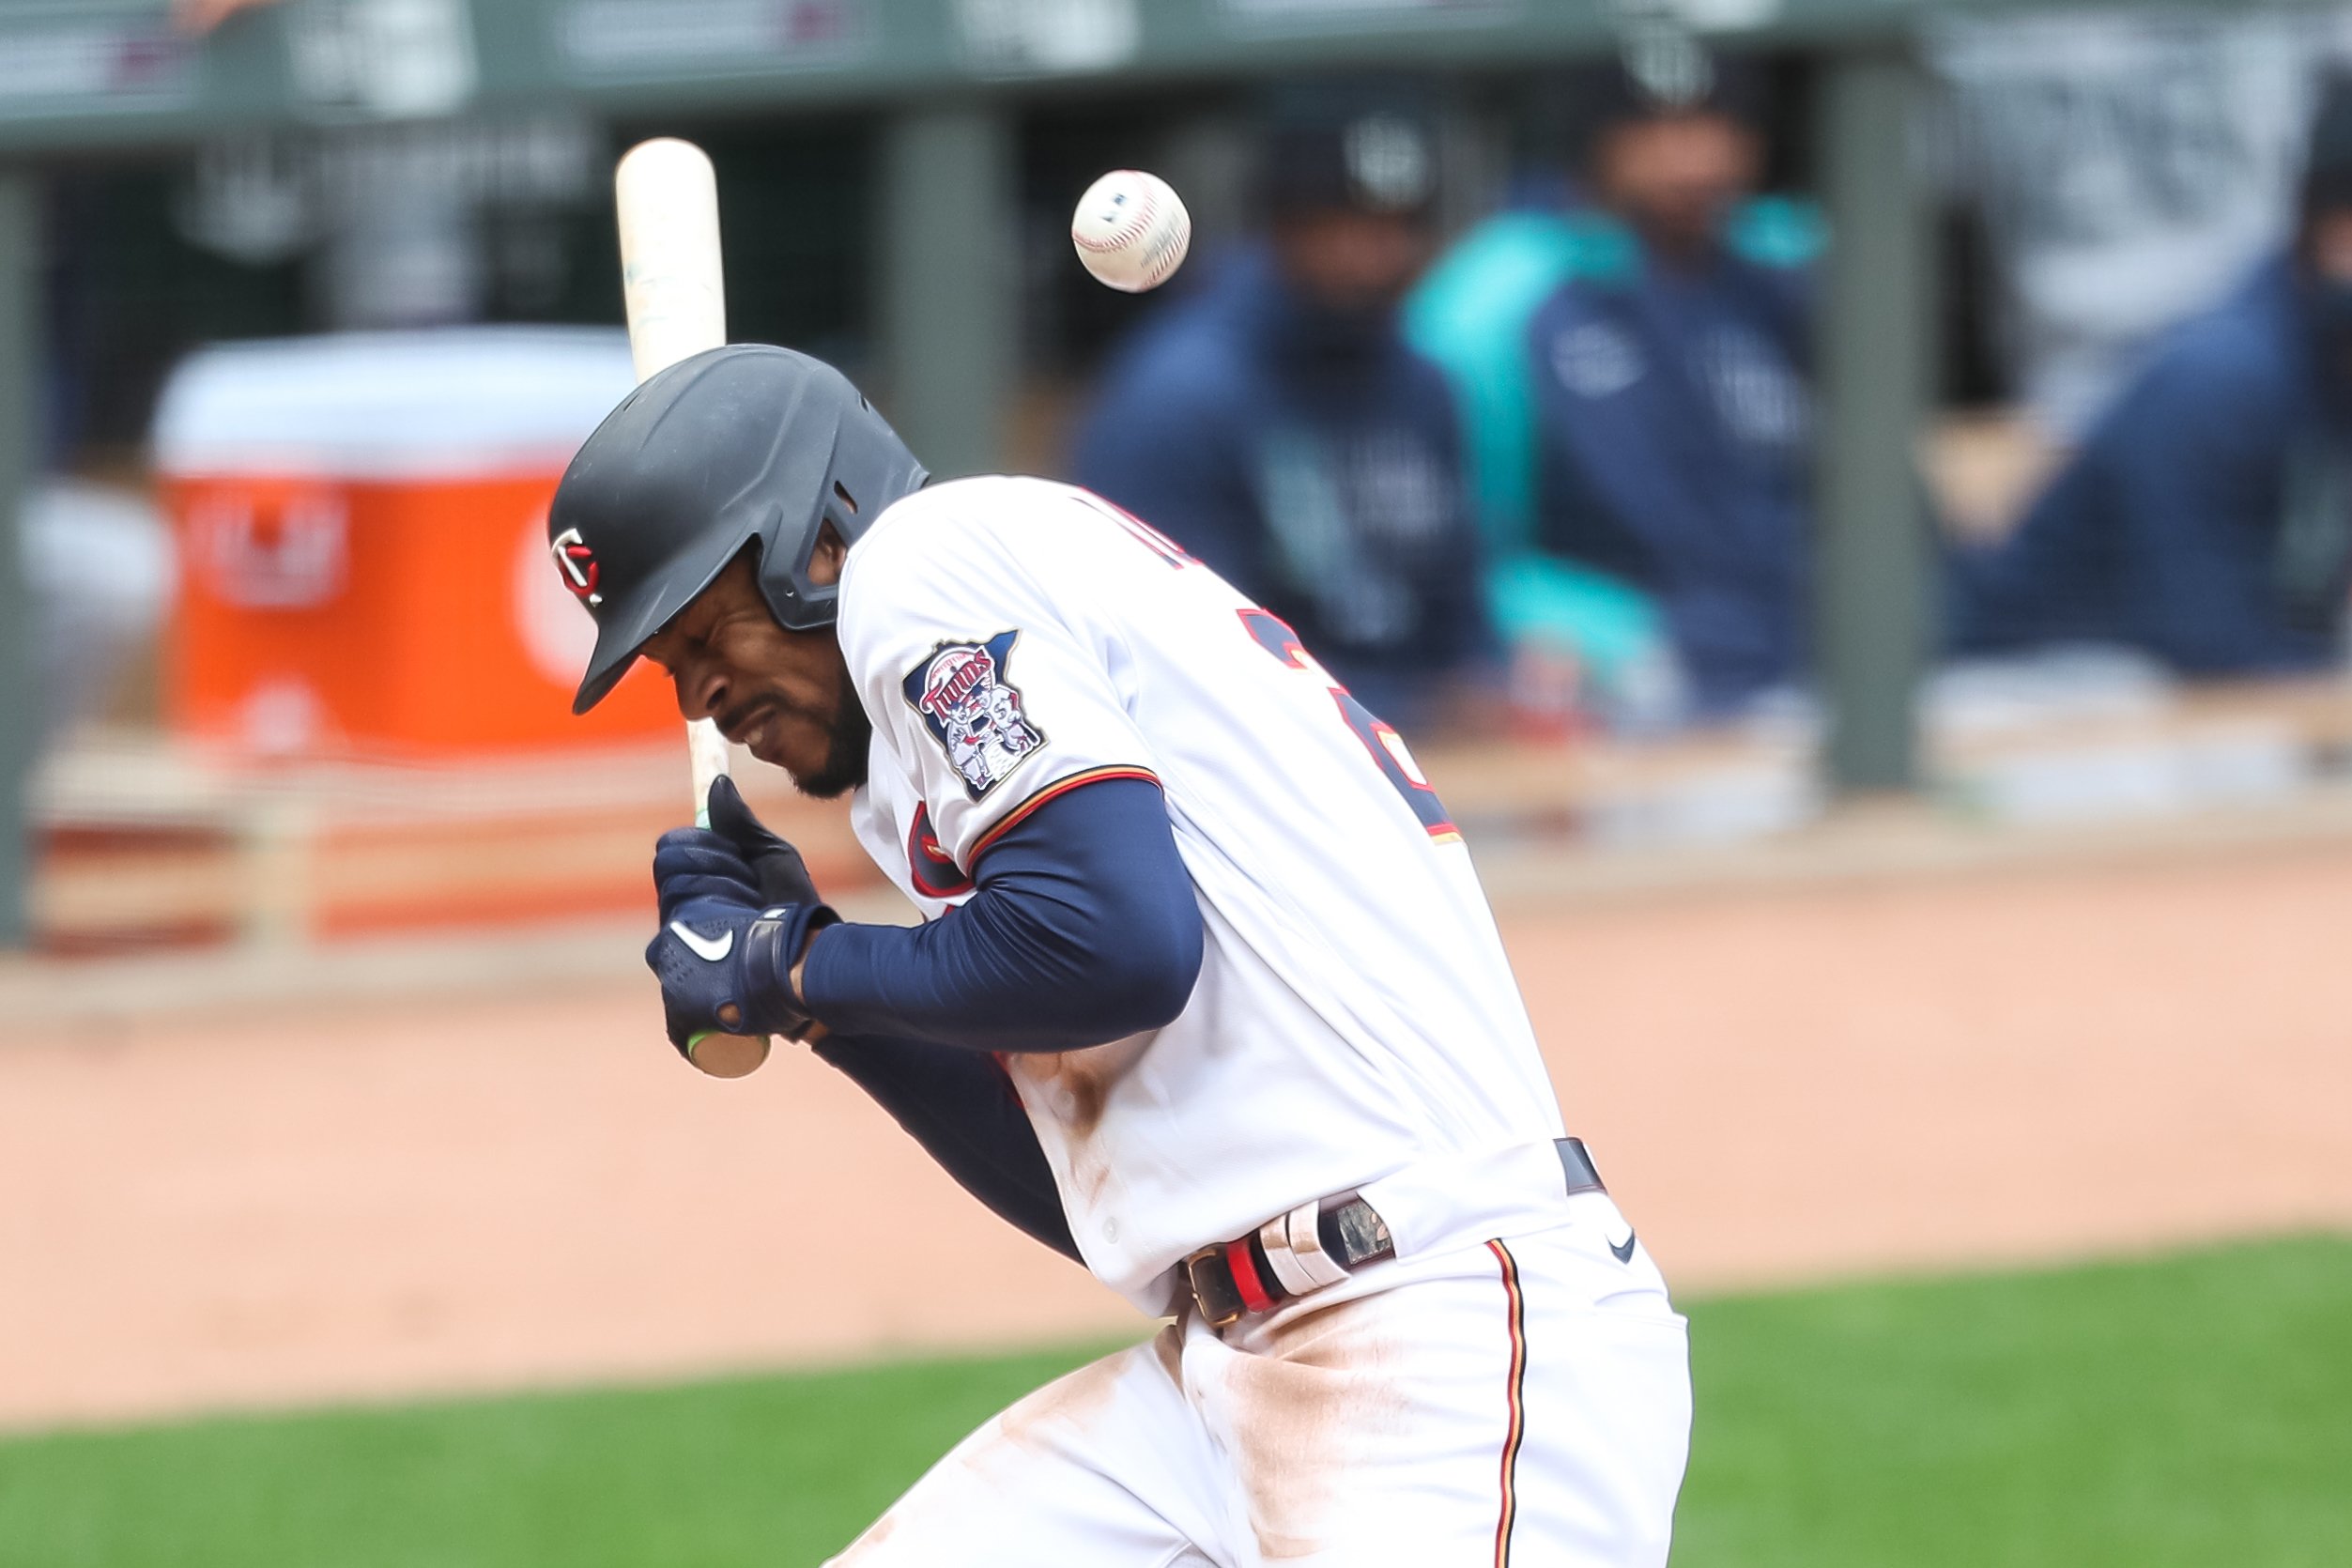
{"x":1169,"y":249}
{"x":1133,"y":229}
{"x":1121,"y":237}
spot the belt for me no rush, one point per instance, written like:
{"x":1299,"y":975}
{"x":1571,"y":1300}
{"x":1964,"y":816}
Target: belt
{"x":1318,"y":1244}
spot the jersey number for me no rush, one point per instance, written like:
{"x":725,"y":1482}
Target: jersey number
{"x":1386,"y":746}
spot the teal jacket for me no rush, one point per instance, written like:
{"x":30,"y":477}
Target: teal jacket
{"x":1471,"y":316}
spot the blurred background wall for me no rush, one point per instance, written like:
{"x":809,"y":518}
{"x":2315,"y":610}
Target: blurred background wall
{"x":1947,"y":240}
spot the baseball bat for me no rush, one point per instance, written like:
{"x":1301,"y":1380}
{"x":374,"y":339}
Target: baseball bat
{"x":665,"y":196}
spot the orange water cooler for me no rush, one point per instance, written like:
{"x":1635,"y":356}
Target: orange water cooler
{"x":363,"y":552}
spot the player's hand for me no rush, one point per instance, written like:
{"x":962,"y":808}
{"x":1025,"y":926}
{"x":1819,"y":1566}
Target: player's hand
{"x":736,"y":857}
{"x":725,"y":963}
{"x":778,"y":869}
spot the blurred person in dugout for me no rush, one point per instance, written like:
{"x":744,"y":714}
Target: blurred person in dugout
{"x":99,"y":572}
{"x":2207,"y":519}
{"x":1274,"y":422}
{"x":1630,"y":342}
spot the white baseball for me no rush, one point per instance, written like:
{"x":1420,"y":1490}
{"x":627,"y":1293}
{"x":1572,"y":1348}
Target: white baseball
{"x":1130,"y":230}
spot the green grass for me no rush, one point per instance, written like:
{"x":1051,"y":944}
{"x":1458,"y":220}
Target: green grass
{"x":2186,"y":1410}
{"x":776,"y":1472}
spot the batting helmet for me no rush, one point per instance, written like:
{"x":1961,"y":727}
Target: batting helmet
{"x":741,"y":444}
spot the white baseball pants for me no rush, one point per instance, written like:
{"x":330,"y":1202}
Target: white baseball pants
{"x":1525,"y":1401}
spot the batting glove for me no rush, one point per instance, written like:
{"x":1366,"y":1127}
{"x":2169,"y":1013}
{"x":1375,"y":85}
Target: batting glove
{"x":735,"y":857}
{"x":724,"y":965}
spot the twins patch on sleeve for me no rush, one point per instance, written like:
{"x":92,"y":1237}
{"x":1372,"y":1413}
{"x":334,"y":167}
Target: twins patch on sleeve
{"x":973,"y":711}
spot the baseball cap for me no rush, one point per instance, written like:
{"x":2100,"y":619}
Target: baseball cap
{"x":1348,"y":148}
{"x":1657,"y":74}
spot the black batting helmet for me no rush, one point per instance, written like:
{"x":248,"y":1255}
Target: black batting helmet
{"x":742,"y":444}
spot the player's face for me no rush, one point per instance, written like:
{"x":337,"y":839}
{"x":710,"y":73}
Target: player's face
{"x":1351,"y":261}
{"x":783,"y":695}
{"x":2328,"y":245}
{"x":1674,"y":178}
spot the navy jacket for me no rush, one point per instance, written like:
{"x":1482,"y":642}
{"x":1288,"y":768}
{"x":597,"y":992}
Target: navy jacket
{"x":2206,"y":519}
{"x":1316,"y":470}
{"x":1675,"y":428}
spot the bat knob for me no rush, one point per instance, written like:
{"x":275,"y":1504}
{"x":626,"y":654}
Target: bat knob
{"x":727,"y":1055}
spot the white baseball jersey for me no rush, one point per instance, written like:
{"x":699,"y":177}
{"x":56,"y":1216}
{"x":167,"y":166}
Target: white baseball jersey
{"x":1355,"y":1015}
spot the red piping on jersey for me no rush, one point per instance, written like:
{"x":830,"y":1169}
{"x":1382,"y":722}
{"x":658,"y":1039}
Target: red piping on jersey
{"x":1245,"y":1278}
{"x":1515,"y":1430}
{"x":1058,"y":788}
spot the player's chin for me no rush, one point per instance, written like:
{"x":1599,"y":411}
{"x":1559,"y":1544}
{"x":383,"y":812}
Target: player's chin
{"x":829,"y":781}
{"x":818,"y":766}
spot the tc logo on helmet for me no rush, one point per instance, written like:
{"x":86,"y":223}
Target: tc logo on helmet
{"x":577,"y":562}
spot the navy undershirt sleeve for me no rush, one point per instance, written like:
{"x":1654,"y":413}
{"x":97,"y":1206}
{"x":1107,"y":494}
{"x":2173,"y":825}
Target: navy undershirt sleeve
{"x":961,"y":1108}
{"x":1082,"y":930}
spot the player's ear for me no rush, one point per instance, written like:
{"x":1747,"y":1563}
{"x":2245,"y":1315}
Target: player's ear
{"x":824,"y":561}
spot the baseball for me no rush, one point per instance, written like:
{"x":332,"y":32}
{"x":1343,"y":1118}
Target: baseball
{"x":1130,"y":230}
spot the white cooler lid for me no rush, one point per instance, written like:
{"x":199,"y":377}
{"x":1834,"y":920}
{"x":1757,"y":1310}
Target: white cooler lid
{"x":443,"y":403}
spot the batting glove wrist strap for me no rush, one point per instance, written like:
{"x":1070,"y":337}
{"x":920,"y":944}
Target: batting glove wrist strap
{"x":771,"y":947}
{"x":725,"y":967}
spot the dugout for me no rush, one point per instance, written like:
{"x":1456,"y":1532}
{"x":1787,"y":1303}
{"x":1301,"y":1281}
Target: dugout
{"x":882,"y":125}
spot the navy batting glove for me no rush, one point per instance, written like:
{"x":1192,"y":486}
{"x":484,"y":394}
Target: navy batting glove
{"x":691,"y":862}
{"x":735,"y":857}
{"x":777,"y":869}
{"x":724,"y":965}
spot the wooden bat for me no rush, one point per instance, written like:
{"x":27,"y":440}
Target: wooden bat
{"x":666,"y":199}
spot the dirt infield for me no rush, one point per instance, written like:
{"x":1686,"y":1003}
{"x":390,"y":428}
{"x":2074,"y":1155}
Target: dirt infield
{"x":308,"y":1203}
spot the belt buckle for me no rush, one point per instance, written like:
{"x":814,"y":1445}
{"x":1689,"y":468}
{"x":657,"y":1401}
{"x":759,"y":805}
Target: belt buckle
{"x":1217,"y":1295}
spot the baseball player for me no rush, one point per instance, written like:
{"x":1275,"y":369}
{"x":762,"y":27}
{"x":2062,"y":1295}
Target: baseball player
{"x":1208,"y":998}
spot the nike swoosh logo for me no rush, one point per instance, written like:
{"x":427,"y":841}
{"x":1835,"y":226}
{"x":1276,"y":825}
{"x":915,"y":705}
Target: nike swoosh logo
{"x":1623,"y":1255}
{"x":704,"y":949}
